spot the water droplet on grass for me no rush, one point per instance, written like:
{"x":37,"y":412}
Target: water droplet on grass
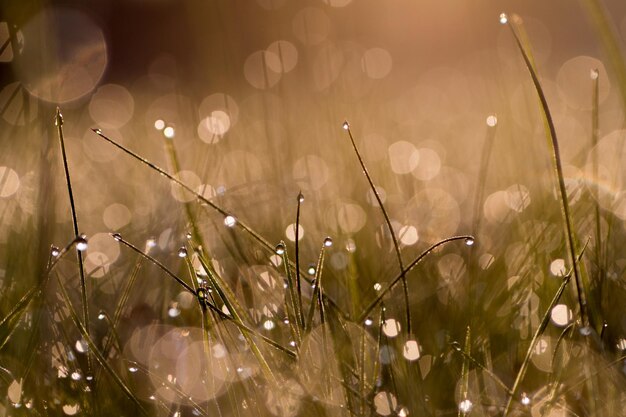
{"x":328,"y":242}
{"x":182,"y":252}
{"x":300,"y":198}
{"x":504,"y":19}
{"x":469,"y":241}
{"x":117,"y":236}
{"x":345,"y":125}
{"x":465,"y":406}
{"x":280,"y":248}
{"x":229,"y":221}
{"x":54,"y":251}
{"x":81,"y":243}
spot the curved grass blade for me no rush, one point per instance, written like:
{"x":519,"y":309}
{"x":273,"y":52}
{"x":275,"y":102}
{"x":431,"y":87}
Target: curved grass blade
{"x":317,"y":292}
{"x":412,"y":265}
{"x":556,"y":157}
{"x":58,"y":121}
{"x":394,"y":238}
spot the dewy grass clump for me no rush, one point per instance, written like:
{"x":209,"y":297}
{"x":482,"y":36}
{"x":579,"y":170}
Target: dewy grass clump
{"x":214,"y":313}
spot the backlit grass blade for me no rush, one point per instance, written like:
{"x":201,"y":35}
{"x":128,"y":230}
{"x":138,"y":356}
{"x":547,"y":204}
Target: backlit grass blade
{"x":556,"y":159}
{"x":94,"y":349}
{"x":394,"y":238}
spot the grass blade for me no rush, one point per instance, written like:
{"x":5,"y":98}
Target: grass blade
{"x":396,"y":245}
{"x":556,"y":159}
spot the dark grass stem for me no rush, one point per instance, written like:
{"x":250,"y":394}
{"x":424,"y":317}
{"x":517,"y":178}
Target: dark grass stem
{"x":317,"y":296}
{"x":394,"y":238}
{"x":412,"y":265}
{"x":556,"y":157}
{"x":58,"y":121}
{"x":297,"y":236}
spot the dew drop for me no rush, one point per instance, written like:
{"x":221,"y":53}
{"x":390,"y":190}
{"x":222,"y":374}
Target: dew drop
{"x":311,"y":270}
{"x":345,"y":125}
{"x":54,"y":251}
{"x":280,"y":248}
{"x":492,"y":120}
{"x":465,"y":406}
{"x":378,"y":287}
{"x":201,"y":294}
{"x":151,"y":242}
{"x":76,"y":376}
{"x":133,"y":369}
{"x":469,"y":241}
{"x":328,"y":242}
{"x":117,"y":236}
{"x":300,"y":198}
{"x":229,"y":221}
{"x":81,"y":243}
{"x":368,"y":321}
{"x":268,"y":324}
{"x":525,"y":399}
{"x":58,"y":120}
{"x":98,"y":131}
{"x":503,"y":20}
{"x":182,"y":252}
{"x":101,"y":315}
{"x":188,"y":235}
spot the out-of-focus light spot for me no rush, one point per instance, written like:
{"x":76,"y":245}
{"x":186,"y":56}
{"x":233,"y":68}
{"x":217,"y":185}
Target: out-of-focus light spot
{"x":327,"y":66}
{"x":212,"y":128}
{"x":310,"y":173}
{"x":557,"y":267}
{"x":169,"y":132}
{"x":71,"y":409}
{"x":189,"y":178}
{"x":311,"y":26}
{"x":385,"y":403}
{"x":111,"y":106}
{"x":116,"y":216}
{"x":517,"y":197}
{"x":408,"y":235}
{"x":411,"y":350}
{"x":574,"y":73}
{"x":403,"y":412}
{"x":351,"y":246}
{"x":561,"y":315}
{"x":391,"y":328}
{"x":286,"y":56}
{"x":258,"y":72}
{"x":14,"y":391}
{"x":492,"y":120}
{"x":9,"y":182}
{"x":97,"y":264}
{"x":371,"y":197}
{"x":290,"y":232}
{"x":351,"y":217}
{"x":495,"y":208}
{"x":403,"y":157}
{"x":378,"y":287}
{"x":64,"y":77}
{"x":159,"y":124}
{"x":376,"y":63}
{"x":428,"y":166}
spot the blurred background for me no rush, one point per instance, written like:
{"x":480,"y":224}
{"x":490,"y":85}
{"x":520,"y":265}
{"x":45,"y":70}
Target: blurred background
{"x":244,"y":102}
